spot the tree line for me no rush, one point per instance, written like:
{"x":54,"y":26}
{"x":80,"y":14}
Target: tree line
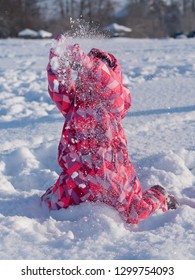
{"x":147,"y":18}
{"x":154,"y":18}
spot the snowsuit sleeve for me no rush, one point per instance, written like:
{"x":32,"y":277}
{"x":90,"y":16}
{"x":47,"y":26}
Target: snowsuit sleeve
{"x":60,"y":87}
{"x":127,"y":101}
{"x":125,"y":91}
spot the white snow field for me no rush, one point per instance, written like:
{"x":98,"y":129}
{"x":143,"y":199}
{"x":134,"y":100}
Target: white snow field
{"x":160,"y":129}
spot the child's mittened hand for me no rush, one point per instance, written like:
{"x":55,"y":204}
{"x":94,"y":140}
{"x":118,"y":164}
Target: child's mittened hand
{"x":75,"y":56}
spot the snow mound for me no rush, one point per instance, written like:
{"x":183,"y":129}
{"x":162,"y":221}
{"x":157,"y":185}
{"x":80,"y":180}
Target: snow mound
{"x":44,"y":34}
{"x":116,"y":28}
{"x":29,"y":33}
{"x":172,"y":170}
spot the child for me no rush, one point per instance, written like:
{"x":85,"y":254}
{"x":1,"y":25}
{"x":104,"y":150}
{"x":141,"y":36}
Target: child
{"x":93,"y":151}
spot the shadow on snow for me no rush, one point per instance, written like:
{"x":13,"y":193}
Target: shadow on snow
{"x":186,"y":109}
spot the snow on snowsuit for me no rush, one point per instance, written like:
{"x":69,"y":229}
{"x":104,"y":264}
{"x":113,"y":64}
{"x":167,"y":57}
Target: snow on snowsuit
{"x":93,"y":151}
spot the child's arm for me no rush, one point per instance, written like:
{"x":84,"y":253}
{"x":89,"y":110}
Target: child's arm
{"x":60,"y":84}
{"x":126,"y":95}
{"x":127,"y":101}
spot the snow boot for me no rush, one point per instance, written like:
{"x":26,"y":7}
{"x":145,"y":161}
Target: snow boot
{"x":172,"y":202}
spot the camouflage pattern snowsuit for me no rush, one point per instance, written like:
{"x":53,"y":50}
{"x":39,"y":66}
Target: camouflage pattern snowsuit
{"x":93,"y":151}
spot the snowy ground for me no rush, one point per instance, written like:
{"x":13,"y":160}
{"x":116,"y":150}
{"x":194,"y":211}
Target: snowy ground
{"x":160,"y":130}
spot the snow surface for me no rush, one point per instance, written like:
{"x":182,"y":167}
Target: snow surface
{"x":160,"y":131}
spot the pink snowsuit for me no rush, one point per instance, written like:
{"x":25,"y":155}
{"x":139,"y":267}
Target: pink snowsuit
{"x":93,"y":151}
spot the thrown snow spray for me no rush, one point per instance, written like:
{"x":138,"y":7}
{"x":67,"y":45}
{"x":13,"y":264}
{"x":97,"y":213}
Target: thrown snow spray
{"x":60,"y":60}
{"x":80,"y":29}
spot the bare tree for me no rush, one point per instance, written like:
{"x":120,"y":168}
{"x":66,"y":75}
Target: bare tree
{"x":82,"y":7}
{"x":62,"y":10}
{"x":188,"y":22}
{"x":193,"y":6}
{"x":73,"y":8}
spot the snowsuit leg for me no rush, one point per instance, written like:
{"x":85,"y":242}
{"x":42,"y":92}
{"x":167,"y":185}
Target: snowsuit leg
{"x":65,"y":193}
{"x":143,"y":204}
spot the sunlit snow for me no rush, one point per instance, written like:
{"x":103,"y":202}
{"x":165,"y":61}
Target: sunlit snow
{"x":159,"y":128}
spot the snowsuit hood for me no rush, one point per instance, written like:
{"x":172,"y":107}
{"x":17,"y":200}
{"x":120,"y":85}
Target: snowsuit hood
{"x":107,"y":58}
